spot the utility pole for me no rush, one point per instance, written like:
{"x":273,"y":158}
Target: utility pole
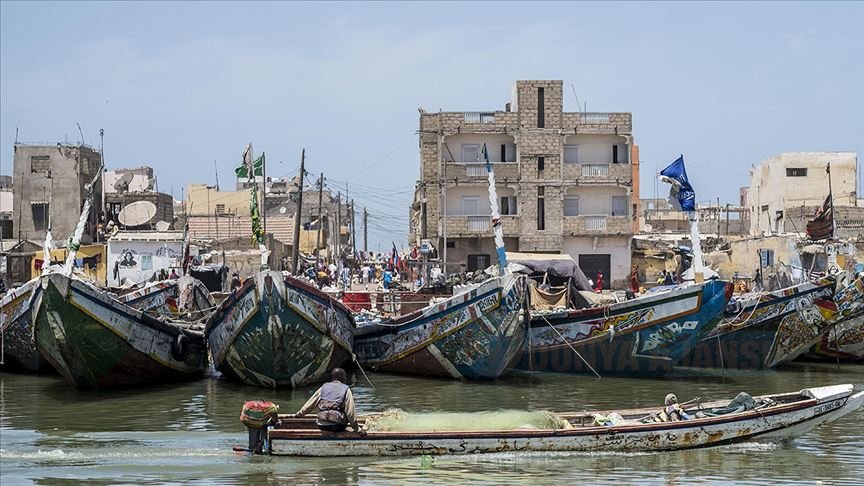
{"x":263,"y":189}
{"x":353,"y":231}
{"x":365,"y":230}
{"x":338,"y":247}
{"x":318,"y":239}
{"x":295,"y":251}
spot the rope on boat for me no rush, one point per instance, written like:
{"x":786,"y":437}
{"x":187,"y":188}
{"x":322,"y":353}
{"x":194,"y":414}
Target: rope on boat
{"x":354,"y":357}
{"x":571,"y":346}
{"x":758,"y":296}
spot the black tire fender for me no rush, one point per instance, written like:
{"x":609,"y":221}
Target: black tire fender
{"x":180,"y":347}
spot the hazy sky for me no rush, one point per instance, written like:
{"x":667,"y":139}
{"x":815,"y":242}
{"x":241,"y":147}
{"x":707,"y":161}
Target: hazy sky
{"x":179,"y":85}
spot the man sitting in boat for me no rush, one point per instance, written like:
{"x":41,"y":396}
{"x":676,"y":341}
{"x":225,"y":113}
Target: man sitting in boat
{"x":335,"y":405}
{"x":672,"y":412}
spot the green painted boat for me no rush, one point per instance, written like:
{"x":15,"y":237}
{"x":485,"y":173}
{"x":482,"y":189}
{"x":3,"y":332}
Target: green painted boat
{"x":96,"y":341}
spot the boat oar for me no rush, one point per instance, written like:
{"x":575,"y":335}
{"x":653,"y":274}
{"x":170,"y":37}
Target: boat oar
{"x":571,"y":346}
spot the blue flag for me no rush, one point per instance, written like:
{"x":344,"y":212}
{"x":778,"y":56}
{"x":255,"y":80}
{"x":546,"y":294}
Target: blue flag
{"x":681,"y":195}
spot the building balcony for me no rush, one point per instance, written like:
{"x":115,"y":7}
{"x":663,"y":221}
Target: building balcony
{"x":618,"y":123}
{"x":588,"y":173}
{"x":597,"y":224}
{"x":478,"y":121}
{"x":477,"y":172}
{"x":479,"y":226}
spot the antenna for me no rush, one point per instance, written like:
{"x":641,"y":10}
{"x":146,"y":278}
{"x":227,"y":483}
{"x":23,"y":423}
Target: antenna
{"x":80,"y":132}
{"x":578,"y":104}
{"x":216,"y":168}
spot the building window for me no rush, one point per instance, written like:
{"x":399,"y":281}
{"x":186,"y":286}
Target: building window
{"x":766,"y":258}
{"x":541,"y":207}
{"x":503,"y":152}
{"x":541,"y":165}
{"x":451,"y":244}
{"x":508,"y":205}
{"x":571,"y":154}
{"x":146,"y":262}
{"x":541,"y":109}
{"x":571,"y":206}
{"x":40,"y":163}
{"x":619,"y":205}
{"x":470,"y":153}
{"x":478,"y":262}
{"x":765,"y":207}
{"x":614,"y":154}
{"x":791,"y":172}
{"x":470,"y":206}
{"x":40,"y":212}
{"x":220,"y":209}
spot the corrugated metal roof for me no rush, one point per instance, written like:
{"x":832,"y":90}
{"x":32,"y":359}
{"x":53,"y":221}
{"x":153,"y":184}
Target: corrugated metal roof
{"x":282,"y":227}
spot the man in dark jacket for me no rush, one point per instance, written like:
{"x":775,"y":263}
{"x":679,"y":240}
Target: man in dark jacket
{"x":335,"y":404}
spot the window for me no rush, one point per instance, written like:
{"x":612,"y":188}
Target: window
{"x":571,"y":154}
{"x":571,"y":206}
{"x":40,"y":212}
{"x":40,"y":163}
{"x":451,"y":244}
{"x":790,"y":172}
{"x":508,"y":205}
{"x":766,"y":258}
{"x":541,"y":207}
{"x":503,"y":152}
{"x":765,"y":207}
{"x":478,"y":262}
{"x":619,"y":205}
{"x":541,"y":165}
{"x":220,"y":209}
{"x":541,"y":109}
{"x":615,"y":154}
{"x":470,"y":153}
{"x":470,"y":206}
{"x":146,"y":262}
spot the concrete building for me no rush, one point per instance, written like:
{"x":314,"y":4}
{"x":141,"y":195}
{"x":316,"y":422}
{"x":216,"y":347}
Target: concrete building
{"x":7,"y":208}
{"x":136,"y":256}
{"x":50,"y":190}
{"x":565,"y":182}
{"x":137,"y":185}
{"x":786,"y":189}
{"x":658,"y":216}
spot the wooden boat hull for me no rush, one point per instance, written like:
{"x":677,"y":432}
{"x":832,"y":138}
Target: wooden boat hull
{"x":844,"y":340}
{"x":19,"y":351}
{"x":749,"y":335}
{"x":645,"y":336}
{"x":474,"y":335}
{"x":811,"y":408}
{"x":272,"y":334}
{"x":97,"y":342}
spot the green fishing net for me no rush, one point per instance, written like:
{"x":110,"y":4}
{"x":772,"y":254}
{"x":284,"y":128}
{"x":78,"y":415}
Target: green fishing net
{"x":396,"y":420}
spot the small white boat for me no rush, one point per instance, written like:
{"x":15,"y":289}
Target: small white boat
{"x":774,"y":417}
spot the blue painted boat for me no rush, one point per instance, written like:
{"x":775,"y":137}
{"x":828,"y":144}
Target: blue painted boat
{"x":472,"y":335}
{"x":762,"y":331}
{"x":277,"y":331}
{"x":644,"y":336}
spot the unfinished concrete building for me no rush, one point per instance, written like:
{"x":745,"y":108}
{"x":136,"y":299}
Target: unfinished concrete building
{"x":565,"y":183}
{"x":50,"y":190}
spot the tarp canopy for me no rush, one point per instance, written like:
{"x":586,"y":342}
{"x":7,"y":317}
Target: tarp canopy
{"x":556,"y":265}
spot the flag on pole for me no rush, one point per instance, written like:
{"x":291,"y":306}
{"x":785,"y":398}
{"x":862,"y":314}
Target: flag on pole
{"x":821,"y":227}
{"x":257,"y":168}
{"x":681,"y":194}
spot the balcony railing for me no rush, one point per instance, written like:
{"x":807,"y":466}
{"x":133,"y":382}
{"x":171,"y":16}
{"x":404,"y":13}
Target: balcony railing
{"x":595,"y":170}
{"x":595,"y":223}
{"x":478,"y":223}
{"x":594,"y":118}
{"x":479,"y":117}
{"x":475,"y":170}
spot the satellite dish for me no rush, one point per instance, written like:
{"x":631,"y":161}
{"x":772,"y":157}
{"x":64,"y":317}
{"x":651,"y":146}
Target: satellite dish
{"x":122,"y":184}
{"x":162,"y":226}
{"x":137,"y":213}
{"x":282,"y":210}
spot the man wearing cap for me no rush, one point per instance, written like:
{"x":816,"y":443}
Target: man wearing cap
{"x":335,"y":405}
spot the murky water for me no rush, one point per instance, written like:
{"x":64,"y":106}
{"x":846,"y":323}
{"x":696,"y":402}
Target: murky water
{"x":51,"y":433}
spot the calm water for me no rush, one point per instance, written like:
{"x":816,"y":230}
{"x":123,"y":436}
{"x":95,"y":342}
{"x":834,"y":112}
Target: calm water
{"x":51,"y":433}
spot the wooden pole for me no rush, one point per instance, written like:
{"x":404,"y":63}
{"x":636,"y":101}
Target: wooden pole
{"x":353,"y":231}
{"x":295,"y":251}
{"x":263,"y":190}
{"x":338,"y":242}
{"x":365,"y":230}
{"x":318,"y":238}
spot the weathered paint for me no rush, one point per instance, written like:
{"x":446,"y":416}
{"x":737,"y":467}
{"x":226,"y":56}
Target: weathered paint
{"x":95,"y":341}
{"x":474,"y":335}
{"x":750,"y":328}
{"x":844,"y":339}
{"x":279,"y":333}
{"x":779,"y":422}
{"x":171,"y":298}
{"x":16,"y":326}
{"x":643,"y":336}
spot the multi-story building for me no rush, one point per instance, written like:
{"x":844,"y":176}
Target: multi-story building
{"x":50,"y":190}
{"x":565,"y":182}
{"x":126,"y":186}
{"x":785,"y":191}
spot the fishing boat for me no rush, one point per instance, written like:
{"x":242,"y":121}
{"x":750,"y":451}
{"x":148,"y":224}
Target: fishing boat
{"x":17,"y":346}
{"x":764,"y":330}
{"x":96,"y":341}
{"x":473,"y":335}
{"x":186,"y":296}
{"x":767,"y":418}
{"x":277,"y":331}
{"x":844,"y":339}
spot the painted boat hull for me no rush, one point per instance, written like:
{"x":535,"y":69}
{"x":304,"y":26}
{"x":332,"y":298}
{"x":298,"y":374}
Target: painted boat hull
{"x":759,"y":334}
{"x":812,"y":408}
{"x":844,"y":341}
{"x":645,"y":336}
{"x":19,"y":351}
{"x":97,"y":342}
{"x":272,"y":334}
{"x":474,"y":335}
